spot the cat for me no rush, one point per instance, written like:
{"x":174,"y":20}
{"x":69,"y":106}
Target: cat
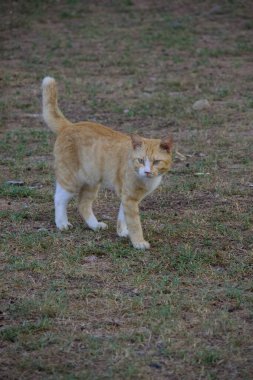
{"x":88,"y":155}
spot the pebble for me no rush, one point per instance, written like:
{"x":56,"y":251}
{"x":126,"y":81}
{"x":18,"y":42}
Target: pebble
{"x":15,"y":183}
{"x":199,"y":174}
{"x":90,"y":259}
{"x":201,"y":105}
{"x":42,"y":229}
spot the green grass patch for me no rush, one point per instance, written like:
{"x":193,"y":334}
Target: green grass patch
{"x":47,"y":305}
{"x":13,"y":191}
{"x":13,"y":333}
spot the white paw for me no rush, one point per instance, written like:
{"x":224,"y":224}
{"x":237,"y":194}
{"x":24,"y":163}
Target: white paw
{"x":63,"y":225}
{"x":123,"y":232}
{"x":99,"y":226}
{"x":141,"y":245}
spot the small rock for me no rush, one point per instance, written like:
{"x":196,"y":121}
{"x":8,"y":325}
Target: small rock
{"x":155,"y":365}
{"x":175,"y":94}
{"x":15,"y":183}
{"x":201,"y":105}
{"x":42,"y":229}
{"x":36,"y":186}
{"x":216,"y":9}
{"x":176,"y":24}
{"x":113,"y":322}
{"x":180,"y":156}
{"x":147,"y":94}
{"x":199,"y":174}
{"x":107,"y":217}
{"x":90,"y":259}
{"x":200,"y":154}
{"x":33,"y":115}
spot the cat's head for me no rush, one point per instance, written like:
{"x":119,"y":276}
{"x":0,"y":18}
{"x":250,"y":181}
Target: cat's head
{"x":151,"y":157}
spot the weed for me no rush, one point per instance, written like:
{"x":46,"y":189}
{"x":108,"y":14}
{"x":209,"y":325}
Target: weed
{"x":26,"y":328}
{"x":208,"y":356}
{"x":49,"y":305}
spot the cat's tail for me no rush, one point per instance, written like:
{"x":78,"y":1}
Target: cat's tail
{"x":52,"y":115}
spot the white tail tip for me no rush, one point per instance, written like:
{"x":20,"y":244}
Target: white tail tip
{"x":47,"y":80}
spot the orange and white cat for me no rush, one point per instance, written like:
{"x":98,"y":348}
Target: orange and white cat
{"x":88,"y":155}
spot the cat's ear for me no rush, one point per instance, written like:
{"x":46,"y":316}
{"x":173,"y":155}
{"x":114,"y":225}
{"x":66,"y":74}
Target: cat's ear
{"x":136,"y":141}
{"x":166,"y":143}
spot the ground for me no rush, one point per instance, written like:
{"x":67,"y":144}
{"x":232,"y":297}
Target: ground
{"x":85,"y":305}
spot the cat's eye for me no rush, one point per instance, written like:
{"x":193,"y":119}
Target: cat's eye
{"x":141,"y":161}
{"x":156,"y":162}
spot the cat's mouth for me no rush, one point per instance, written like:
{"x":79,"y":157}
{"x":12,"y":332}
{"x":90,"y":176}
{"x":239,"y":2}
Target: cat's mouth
{"x":146,"y":175}
{"x":141,"y":172}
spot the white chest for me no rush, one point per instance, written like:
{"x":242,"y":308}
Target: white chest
{"x":152,"y":183}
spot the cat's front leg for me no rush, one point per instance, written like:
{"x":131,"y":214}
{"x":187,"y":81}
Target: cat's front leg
{"x":132,"y":217}
{"x":122,"y":230}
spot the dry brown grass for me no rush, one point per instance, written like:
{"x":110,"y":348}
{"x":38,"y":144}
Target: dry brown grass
{"x":80,"y":305}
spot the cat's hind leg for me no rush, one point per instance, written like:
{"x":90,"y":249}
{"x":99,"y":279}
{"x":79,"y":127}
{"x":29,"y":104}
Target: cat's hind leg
{"x":121,"y":223}
{"x":87,"y":195}
{"x":61,"y":200}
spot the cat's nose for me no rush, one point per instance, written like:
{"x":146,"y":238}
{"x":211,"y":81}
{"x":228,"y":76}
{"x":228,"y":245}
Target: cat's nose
{"x":147,"y":173}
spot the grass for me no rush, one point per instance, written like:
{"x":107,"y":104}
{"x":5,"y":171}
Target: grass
{"x":15,"y":191}
{"x":14,"y":333}
{"x":85,"y":305}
